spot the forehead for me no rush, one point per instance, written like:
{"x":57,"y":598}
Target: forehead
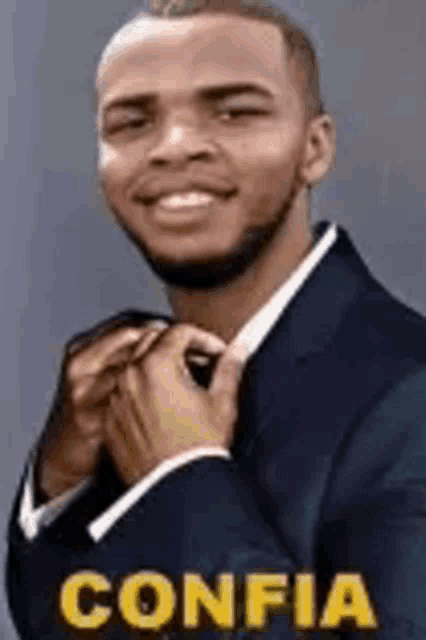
{"x":160,"y":55}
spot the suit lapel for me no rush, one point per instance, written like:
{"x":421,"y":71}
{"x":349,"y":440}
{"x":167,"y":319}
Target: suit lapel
{"x":303,"y":392}
{"x":304,"y":330}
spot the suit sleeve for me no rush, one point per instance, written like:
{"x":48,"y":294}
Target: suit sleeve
{"x":377,"y":524}
{"x":200,"y":518}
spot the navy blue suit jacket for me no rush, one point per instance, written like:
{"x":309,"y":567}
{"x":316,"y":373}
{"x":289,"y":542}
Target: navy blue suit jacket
{"x":329,"y":469}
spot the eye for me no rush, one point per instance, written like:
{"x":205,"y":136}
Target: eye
{"x":136,"y":124}
{"x":126,"y":125}
{"x":234,"y":115}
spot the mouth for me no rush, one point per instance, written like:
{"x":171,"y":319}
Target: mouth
{"x":174,"y":194}
{"x":188,"y":199}
{"x":183,"y":208}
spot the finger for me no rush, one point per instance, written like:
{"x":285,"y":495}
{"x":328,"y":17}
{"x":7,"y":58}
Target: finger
{"x":175,"y":342}
{"x":152,"y":334}
{"x":110,"y":350}
{"x":116,"y":445}
{"x":106,"y":327}
{"x":125,"y":439}
{"x":226,"y":379}
{"x":90,"y":391}
{"x":123,"y":405}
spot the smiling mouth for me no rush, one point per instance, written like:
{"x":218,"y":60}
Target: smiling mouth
{"x":189,"y":210}
{"x":180,"y":201}
{"x":185,"y":199}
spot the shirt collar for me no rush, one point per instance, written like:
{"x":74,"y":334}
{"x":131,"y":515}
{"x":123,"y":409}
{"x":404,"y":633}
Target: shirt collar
{"x":253,"y":333}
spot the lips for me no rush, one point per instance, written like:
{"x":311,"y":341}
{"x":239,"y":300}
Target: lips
{"x":179,"y":193}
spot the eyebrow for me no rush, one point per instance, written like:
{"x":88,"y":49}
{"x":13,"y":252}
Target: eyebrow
{"x":227,"y":90}
{"x":214,"y":93}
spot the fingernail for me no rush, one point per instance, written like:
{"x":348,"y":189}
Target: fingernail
{"x":157,"y":324}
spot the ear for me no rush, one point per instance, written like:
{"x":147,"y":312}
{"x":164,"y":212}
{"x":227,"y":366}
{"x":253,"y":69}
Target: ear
{"x":320,"y":149}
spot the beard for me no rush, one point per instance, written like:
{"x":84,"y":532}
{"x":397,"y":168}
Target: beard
{"x":211,"y":273}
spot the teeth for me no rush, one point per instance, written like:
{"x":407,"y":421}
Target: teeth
{"x":189,"y":199}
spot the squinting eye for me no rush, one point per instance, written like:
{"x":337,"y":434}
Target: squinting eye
{"x":134,"y":124}
{"x":235,"y":114}
{"x":127,"y":125}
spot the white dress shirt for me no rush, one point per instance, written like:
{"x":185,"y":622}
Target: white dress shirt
{"x":248,"y":340}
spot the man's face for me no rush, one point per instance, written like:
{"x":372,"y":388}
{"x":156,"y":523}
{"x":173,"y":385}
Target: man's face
{"x":202,"y":131}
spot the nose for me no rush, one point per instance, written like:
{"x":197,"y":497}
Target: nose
{"x":180,"y":142}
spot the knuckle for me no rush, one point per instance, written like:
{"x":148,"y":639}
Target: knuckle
{"x":78,"y":368}
{"x":181,"y":330}
{"x":157,"y":368}
{"x":132,"y":333}
{"x":77,"y":394}
{"x":153,"y":362}
{"x":74,"y":370}
{"x":184,"y":327}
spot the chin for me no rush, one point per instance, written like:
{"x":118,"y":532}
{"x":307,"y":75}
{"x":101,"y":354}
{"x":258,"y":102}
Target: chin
{"x":205,"y":261}
{"x":195,"y":258}
{"x":190,"y":250}
{"x":204,"y":271}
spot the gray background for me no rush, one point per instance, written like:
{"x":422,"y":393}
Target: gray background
{"x":64,"y":264}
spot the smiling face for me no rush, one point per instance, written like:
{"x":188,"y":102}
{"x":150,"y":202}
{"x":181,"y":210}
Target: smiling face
{"x":202,"y":140}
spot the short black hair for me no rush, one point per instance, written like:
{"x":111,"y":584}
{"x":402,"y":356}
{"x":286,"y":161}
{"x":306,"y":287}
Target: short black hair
{"x":299,"y":44}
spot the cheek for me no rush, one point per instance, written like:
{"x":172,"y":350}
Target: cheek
{"x":266,"y":153}
{"x":114,"y":168}
{"x":106,"y":156}
{"x":266,"y":167}
{"x":271,"y":148}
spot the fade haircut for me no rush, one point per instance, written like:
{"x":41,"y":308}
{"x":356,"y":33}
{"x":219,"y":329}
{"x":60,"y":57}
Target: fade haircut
{"x":300,"y":48}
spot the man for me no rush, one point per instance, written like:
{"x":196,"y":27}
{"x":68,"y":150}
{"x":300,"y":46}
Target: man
{"x":301,"y":446}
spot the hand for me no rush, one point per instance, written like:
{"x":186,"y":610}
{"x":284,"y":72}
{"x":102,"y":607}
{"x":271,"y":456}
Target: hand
{"x":74,"y":440}
{"x":158,"y":411}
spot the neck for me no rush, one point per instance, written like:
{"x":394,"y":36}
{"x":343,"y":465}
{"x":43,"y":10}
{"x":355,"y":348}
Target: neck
{"x":225,"y":310}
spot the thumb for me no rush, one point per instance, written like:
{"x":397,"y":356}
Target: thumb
{"x":226,"y":379}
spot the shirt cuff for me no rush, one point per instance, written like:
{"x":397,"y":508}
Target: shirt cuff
{"x":32,"y":520}
{"x":99,"y":527}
